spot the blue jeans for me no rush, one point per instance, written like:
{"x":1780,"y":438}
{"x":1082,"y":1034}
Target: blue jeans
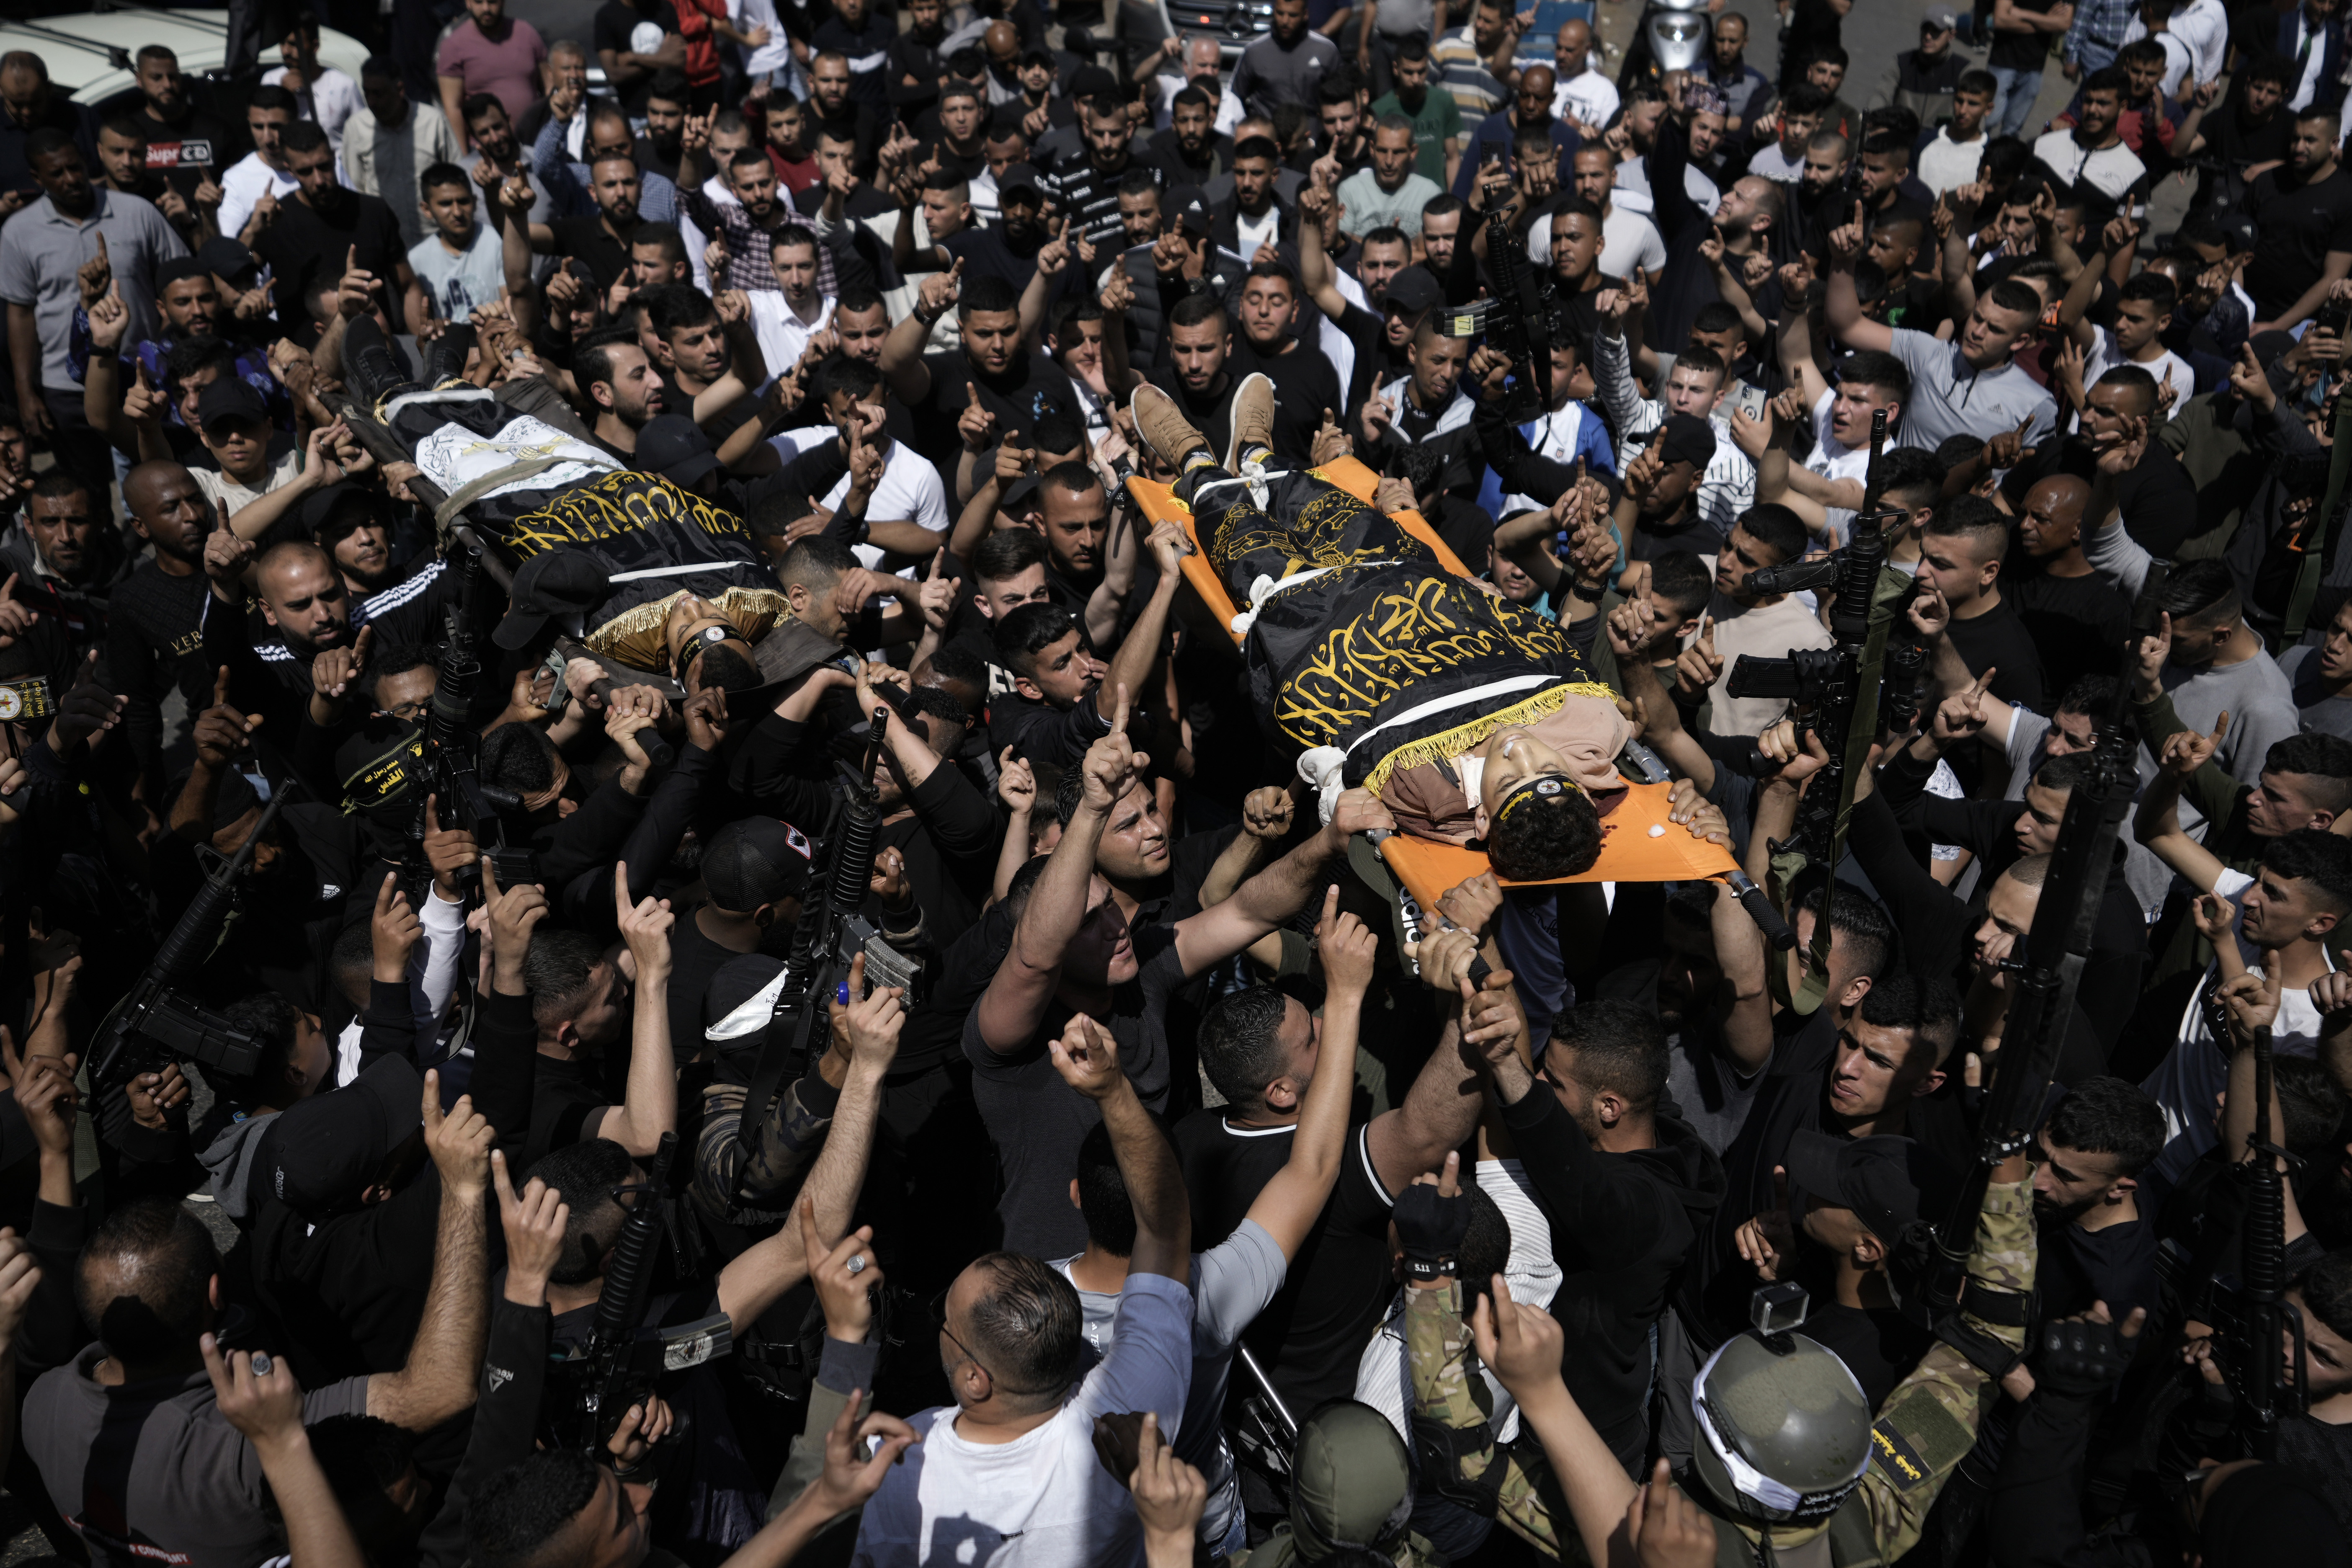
{"x":2014,"y":100}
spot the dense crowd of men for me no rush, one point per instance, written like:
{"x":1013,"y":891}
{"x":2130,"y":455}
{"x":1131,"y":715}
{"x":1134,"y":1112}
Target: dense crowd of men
{"x":403,"y":866}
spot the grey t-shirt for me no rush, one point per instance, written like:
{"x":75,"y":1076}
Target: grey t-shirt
{"x":1232,"y":1283}
{"x":1949,"y":398}
{"x":154,"y":1473}
{"x":2150,"y":877}
{"x":2256,"y":695}
{"x":2322,"y":712}
{"x":1270,"y":75}
{"x":455,"y":284}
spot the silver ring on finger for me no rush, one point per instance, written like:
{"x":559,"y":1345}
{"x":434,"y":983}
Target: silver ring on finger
{"x":856,"y":1264}
{"x":261,"y":1363}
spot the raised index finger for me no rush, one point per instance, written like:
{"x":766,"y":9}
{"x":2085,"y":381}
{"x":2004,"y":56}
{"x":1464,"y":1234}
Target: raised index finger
{"x":1983,"y":681}
{"x":1118,"y":716}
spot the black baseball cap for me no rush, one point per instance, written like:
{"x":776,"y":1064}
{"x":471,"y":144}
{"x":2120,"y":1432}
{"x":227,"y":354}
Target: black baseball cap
{"x":230,"y":397}
{"x":226,"y":258}
{"x":1020,"y":177}
{"x":755,"y":860}
{"x":554,"y":583}
{"x":331,"y":513}
{"x":322,"y":1153}
{"x":676,"y":448}
{"x":1413,"y":291}
{"x":1887,"y":1182}
{"x":1689,"y":440}
{"x":1193,"y":217}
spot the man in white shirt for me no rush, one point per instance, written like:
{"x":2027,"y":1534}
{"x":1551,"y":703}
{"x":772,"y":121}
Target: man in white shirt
{"x":1628,"y":239}
{"x":257,"y":181}
{"x":2203,"y":26}
{"x":1203,"y":68}
{"x":2092,"y":152}
{"x":1950,"y":160}
{"x":321,"y":93}
{"x":1581,"y":95}
{"x":786,"y":318}
{"x":1741,"y":620}
{"x":1008,"y":1475}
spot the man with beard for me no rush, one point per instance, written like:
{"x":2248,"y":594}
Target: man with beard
{"x":1743,"y":88}
{"x":1499,"y":134}
{"x":1387,"y":193}
{"x":2303,"y":213}
{"x":751,"y":223}
{"x":1743,"y":219}
{"x":1193,"y":369}
{"x":1087,"y":193}
{"x":839,"y":194}
{"x":2253,"y":132}
{"x":1435,"y":117}
{"x":183,"y":144}
{"x":352,"y":524}
{"x":1189,"y":152}
{"x":1008,"y":250}
{"x":389,"y":141}
{"x":706,"y":353}
{"x":122,"y":168}
{"x":1180,"y":259}
{"x":1019,"y":388}
{"x":327,"y":230}
{"x":2091,"y":151}
{"x":2097,"y":1246}
{"x":1630,"y":242}
{"x":837,"y":113}
{"x":188,"y":301}
{"x":1287,"y":64}
{"x":606,"y":133}
{"x":600,"y":243}
{"x":625,"y":387}
{"x":154,"y":632}
{"x":75,"y":227}
{"x":1253,"y":214}
{"x":959,"y":143}
{"x":913,"y":64}
{"x":64,"y":564}
{"x":304,"y":612}
{"x":1342,"y":140}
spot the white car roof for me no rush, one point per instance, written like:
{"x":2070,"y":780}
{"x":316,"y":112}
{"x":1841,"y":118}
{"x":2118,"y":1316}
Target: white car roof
{"x":82,"y":52}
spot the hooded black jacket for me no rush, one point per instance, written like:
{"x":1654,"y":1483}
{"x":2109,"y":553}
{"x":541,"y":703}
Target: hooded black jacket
{"x":1620,"y":1227}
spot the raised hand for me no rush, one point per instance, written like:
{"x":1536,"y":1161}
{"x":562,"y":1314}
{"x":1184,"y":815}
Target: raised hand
{"x":459,"y":1142}
{"x":2187,"y":751}
{"x":88,"y":710}
{"x":1521,"y":1345}
{"x":2250,"y":381}
{"x":1112,"y":762}
{"x":940,"y":290}
{"x":393,"y":930}
{"x":1086,"y":1055}
{"x":512,"y":914}
{"x":1698,"y":667}
{"x":95,"y":276}
{"x":645,"y":926}
{"x":1845,"y":240}
{"x":845,"y":1273}
{"x":1962,"y":714}
{"x":1668,"y":1530}
{"x":221,"y":733}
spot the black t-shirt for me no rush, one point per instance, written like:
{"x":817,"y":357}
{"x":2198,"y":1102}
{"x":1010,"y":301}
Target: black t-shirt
{"x":1305,"y":385}
{"x":303,"y":246}
{"x":615,"y":20}
{"x":2233,"y":141}
{"x":589,"y":241}
{"x":2077,"y":624}
{"x":2157,"y":500}
{"x":2027,"y":51}
{"x":985,"y":253}
{"x":2298,"y":225}
{"x":1210,"y":412}
{"x":1033,"y":388}
{"x":1999,"y":638}
{"x":1311,"y":1335}
{"x":694,"y":958}
{"x":182,"y":153}
{"x":2320,"y":1453}
{"x":866,"y":47}
{"x":1038,"y":1121}
{"x":563,"y":1095}
{"x":2115,"y":1265}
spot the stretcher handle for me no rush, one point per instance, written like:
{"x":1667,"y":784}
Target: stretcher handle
{"x":1759,"y":909}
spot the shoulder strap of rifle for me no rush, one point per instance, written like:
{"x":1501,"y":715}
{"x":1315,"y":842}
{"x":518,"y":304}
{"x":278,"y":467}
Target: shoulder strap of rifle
{"x":2321,"y":540}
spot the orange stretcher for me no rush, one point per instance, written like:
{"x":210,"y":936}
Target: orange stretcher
{"x":1427,"y":869}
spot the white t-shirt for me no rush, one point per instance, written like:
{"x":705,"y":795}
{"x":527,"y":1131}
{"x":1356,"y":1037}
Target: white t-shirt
{"x":1776,"y":166}
{"x":1628,"y":239}
{"x":1833,"y":460}
{"x":910,"y":492}
{"x":1945,"y":164}
{"x":1590,"y":97}
{"x":336,"y":98}
{"x":242,"y":187}
{"x":2187,"y":1082}
{"x":1043,"y":1501}
{"x":1232,"y":1282}
{"x":229,"y":498}
{"x":2104,"y":356}
{"x":1254,"y":232}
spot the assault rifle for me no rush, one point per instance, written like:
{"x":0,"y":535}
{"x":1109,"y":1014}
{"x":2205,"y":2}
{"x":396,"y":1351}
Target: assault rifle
{"x":621,"y":1363}
{"x":2251,"y":1313}
{"x":833,"y":931}
{"x":1840,"y":687}
{"x":2044,"y":983}
{"x":153,"y":1022}
{"x":453,"y":748}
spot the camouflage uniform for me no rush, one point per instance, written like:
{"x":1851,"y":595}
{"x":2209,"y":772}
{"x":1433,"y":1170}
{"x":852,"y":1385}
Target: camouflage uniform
{"x":1924,"y":1429}
{"x":753,"y":1184}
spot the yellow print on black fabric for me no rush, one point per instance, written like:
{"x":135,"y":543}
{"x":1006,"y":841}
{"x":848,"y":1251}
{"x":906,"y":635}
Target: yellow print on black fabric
{"x":1318,"y":538}
{"x":614,"y":505}
{"x":1420,"y":632}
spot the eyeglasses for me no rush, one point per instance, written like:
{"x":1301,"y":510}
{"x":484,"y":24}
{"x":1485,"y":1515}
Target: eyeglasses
{"x":938,"y":1310}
